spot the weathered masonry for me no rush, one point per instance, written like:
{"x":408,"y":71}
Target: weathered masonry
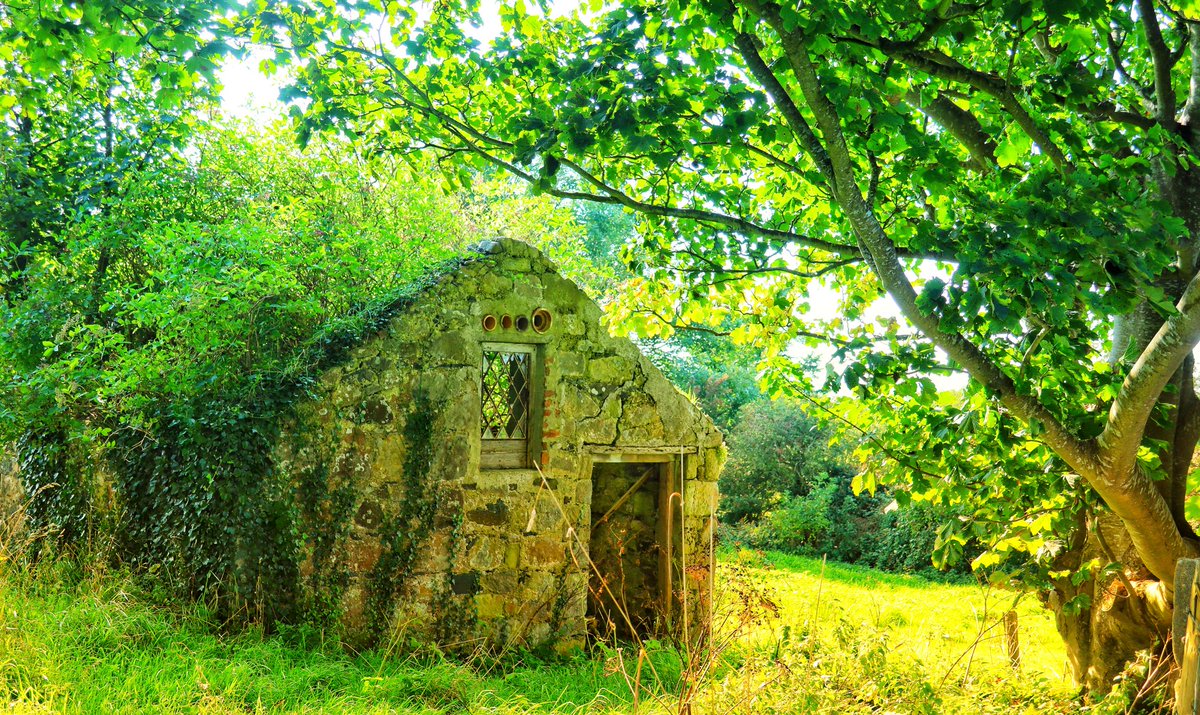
{"x":493,"y":466}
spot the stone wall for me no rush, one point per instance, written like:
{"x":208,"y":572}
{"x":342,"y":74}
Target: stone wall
{"x":401,"y":540}
{"x":12,"y":495}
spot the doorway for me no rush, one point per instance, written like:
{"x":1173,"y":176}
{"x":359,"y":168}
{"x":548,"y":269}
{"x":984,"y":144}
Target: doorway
{"x":632,"y":545}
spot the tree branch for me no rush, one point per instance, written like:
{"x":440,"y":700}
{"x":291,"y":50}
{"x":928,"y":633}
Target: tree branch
{"x":1193,"y":101}
{"x":941,"y":65}
{"x":961,"y":124}
{"x":1170,"y":346}
{"x":1130,"y":494}
{"x":884,"y":261}
{"x":744,"y":226}
{"x":745,"y":43}
{"x":1164,"y":90}
{"x":475,"y":139}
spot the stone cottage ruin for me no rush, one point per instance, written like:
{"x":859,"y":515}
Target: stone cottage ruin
{"x":493,"y":466}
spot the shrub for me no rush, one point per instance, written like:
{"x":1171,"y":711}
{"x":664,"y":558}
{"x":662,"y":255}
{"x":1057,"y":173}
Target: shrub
{"x":799,"y":525}
{"x":230,"y":278}
{"x":777,"y":451}
{"x":904,"y":538}
{"x":786,"y":487}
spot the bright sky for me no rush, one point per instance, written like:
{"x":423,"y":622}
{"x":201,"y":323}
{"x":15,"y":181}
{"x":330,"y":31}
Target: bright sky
{"x":249,"y":93}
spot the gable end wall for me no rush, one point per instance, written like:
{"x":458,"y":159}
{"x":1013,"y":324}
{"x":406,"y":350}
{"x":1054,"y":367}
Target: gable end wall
{"x":506,"y":558}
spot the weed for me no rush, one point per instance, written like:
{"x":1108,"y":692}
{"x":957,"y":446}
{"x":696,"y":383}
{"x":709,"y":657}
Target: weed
{"x":79,"y":639}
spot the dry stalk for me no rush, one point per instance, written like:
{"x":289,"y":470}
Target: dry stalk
{"x":698,"y":662}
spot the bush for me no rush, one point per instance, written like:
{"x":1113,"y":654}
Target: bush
{"x":787,"y":488}
{"x":799,"y":525}
{"x":777,"y":451}
{"x":231,"y":278}
{"x":904,"y":541}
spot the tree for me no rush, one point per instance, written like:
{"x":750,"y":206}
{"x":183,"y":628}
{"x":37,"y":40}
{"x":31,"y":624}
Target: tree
{"x":1019,"y":177}
{"x":91,"y":93}
{"x":777,"y":451}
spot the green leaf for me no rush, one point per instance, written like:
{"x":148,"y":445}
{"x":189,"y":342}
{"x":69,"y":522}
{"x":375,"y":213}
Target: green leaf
{"x":1014,"y":148}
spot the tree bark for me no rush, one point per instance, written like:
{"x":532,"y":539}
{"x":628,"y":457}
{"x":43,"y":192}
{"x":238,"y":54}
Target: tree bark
{"x":1122,"y":613}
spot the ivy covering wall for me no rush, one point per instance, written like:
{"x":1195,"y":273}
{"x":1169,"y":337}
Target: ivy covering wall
{"x":142,"y":401}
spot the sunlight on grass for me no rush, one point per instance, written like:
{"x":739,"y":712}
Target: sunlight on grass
{"x":843,"y":640}
{"x":849,"y":639}
{"x":937,"y":624}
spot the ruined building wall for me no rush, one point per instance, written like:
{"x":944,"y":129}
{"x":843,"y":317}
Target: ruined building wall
{"x":12,"y":494}
{"x":405,"y":533}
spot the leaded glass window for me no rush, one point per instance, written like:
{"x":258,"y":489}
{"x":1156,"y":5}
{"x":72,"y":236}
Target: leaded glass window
{"x":510,"y":393}
{"x":506,"y":378}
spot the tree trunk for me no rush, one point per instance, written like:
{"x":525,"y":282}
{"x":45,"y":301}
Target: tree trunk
{"x":1108,"y":618}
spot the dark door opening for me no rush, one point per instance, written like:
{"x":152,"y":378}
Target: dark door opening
{"x":631,"y":549}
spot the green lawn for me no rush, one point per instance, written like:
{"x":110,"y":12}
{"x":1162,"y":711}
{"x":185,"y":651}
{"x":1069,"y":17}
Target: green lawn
{"x":831,"y":639}
{"x":879,"y":642}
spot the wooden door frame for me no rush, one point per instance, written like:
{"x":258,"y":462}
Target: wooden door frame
{"x":668,"y":474}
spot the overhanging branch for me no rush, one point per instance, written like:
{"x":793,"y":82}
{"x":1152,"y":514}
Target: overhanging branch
{"x":1174,"y":341}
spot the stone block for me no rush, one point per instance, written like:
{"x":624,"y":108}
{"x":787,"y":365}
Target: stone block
{"x":602,"y":428}
{"x":712,"y":469}
{"x":541,"y":586}
{"x":490,"y":606}
{"x":609,"y":370}
{"x":569,"y":364}
{"x":548,"y":518}
{"x":528,"y":291}
{"x":700,"y":497}
{"x":492,"y":514}
{"x":516,"y":265}
{"x":369,"y":515}
{"x":500,"y":480}
{"x":537,"y":634}
{"x":354,"y":603}
{"x":512,"y":555}
{"x":494,"y":285}
{"x":500,"y":582}
{"x":387,"y":463}
{"x":454,"y":349}
{"x":376,"y":411}
{"x":486,"y":554}
{"x":566,"y":462}
{"x":563,"y":292}
{"x":640,"y":422}
{"x":542,"y":553}
{"x":466,"y":584}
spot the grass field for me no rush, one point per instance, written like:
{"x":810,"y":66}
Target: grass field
{"x":837,"y":639}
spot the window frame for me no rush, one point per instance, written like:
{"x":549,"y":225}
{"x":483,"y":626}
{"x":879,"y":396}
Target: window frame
{"x":497,"y":453}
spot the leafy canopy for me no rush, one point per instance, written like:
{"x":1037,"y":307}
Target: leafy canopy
{"x":1014,"y":175}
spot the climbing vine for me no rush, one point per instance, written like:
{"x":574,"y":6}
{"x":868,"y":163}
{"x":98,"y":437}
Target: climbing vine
{"x":453,"y":611}
{"x":167,"y":383}
{"x":326,"y":507}
{"x":407,"y":531}
{"x":201,"y":503}
{"x":60,"y":492}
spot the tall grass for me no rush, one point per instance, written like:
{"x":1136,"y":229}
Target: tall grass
{"x":819,"y":638}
